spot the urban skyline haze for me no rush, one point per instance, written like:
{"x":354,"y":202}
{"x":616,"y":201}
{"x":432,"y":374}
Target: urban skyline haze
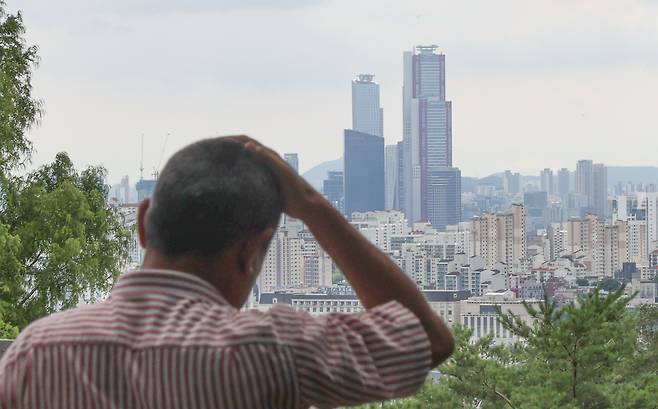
{"x":556,"y":81}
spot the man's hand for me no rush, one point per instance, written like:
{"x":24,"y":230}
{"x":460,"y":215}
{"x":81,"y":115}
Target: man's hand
{"x":299,"y":196}
{"x":373,"y":275}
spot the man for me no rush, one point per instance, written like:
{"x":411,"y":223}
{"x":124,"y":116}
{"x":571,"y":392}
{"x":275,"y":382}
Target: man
{"x":172,"y":335}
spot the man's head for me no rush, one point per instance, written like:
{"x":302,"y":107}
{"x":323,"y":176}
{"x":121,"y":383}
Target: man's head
{"x":212,"y":213}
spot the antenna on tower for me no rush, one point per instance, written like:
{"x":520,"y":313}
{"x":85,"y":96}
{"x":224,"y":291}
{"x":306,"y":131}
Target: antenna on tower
{"x":164,"y":146}
{"x":141,"y":161}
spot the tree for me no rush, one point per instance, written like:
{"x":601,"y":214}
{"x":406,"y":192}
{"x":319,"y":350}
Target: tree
{"x":60,"y":243}
{"x":594,"y":353}
{"x":19,"y":111}
{"x":577,"y":349}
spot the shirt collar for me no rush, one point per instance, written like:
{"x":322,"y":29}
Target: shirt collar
{"x":171,"y":283}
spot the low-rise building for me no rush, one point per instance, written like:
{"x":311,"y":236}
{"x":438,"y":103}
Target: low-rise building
{"x":481,"y":315}
{"x":445,"y":303}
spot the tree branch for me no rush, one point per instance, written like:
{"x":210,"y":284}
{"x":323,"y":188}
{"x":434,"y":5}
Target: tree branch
{"x":36,"y":259}
{"x":27,"y":297}
{"x":497,"y":393}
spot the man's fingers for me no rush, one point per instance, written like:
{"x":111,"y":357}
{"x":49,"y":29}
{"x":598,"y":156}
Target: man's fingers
{"x":261,"y":151}
{"x":243,"y":139}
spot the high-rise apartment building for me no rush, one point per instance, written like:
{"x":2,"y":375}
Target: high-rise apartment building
{"x":427,"y":128}
{"x":592,"y":182}
{"x":500,"y":238}
{"x":364,"y":172}
{"x":587,"y":235}
{"x":379,"y":227}
{"x":563,"y":185}
{"x":293,"y":160}
{"x":546,"y":181}
{"x":367,"y":114}
{"x":512,"y":182}
{"x":600,"y":190}
{"x":294,"y":259}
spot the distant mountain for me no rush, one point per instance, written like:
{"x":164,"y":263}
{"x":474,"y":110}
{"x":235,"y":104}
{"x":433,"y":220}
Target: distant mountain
{"x":634,"y":174}
{"x":317,"y":174}
{"x":492,"y":180}
{"x":469,"y":184}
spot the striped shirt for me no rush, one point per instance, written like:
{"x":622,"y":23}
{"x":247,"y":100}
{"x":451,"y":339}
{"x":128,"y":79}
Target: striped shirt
{"x":166,"y":339}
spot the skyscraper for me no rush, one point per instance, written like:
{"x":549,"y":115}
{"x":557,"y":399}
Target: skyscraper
{"x":391,"y":179}
{"x":364,"y":172}
{"x":293,"y":160}
{"x":512,"y":182}
{"x":427,"y":128}
{"x":367,"y":114}
{"x":600,"y":190}
{"x":400,"y":195}
{"x":546,"y":177}
{"x":333,"y":189}
{"x":563,"y":186}
{"x":592,"y":182}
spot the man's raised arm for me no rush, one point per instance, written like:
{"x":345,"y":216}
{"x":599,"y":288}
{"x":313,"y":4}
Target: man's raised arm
{"x":373,"y":275}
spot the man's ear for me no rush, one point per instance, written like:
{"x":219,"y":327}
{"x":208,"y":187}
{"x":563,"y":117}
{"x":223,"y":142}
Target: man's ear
{"x":252,"y":252}
{"x":141,"y":221}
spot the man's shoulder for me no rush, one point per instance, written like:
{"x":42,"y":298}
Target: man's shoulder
{"x":44,"y":331}
{"x":78,"y":318}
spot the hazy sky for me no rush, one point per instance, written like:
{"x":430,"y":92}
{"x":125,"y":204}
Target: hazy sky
{"x":534,"y":83}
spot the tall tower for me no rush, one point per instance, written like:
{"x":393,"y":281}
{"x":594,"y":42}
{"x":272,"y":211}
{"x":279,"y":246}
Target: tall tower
{"x":363,"y":154}
{"x":367,"y":114}
{"x":293,"y":160}
{"x":563,"y":187}
{"x":427,"y":130}
{"x":592,"y":182}
{"x":364,"y":172}
{"x":391,"y":169}
{"x":546,"y":179}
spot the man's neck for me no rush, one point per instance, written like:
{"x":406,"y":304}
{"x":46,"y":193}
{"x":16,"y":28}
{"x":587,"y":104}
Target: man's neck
{"x":207,"y":271}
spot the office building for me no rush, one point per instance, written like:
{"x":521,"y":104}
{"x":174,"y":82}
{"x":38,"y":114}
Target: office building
{"x":400,"y":195}
{"x":145,"y":188}
{"x":391,"y":168}
{"x":367,"y":114}
{"x":364,"y":172}
{"x":444,"y":197}
{"x":293,"y":160}
{"x":446,"y":304}
{"x":427,"y":127}
{"x":333,"y":189}
{"x":482,"y":315}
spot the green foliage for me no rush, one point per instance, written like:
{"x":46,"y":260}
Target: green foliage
{"x":60,"y":243}
{"x":18,"y":109}
{"x":68,"y":244}
{"x":595,"y":353}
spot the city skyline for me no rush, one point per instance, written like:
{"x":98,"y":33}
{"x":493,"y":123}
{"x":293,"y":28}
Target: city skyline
{"x":560,"y":78}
